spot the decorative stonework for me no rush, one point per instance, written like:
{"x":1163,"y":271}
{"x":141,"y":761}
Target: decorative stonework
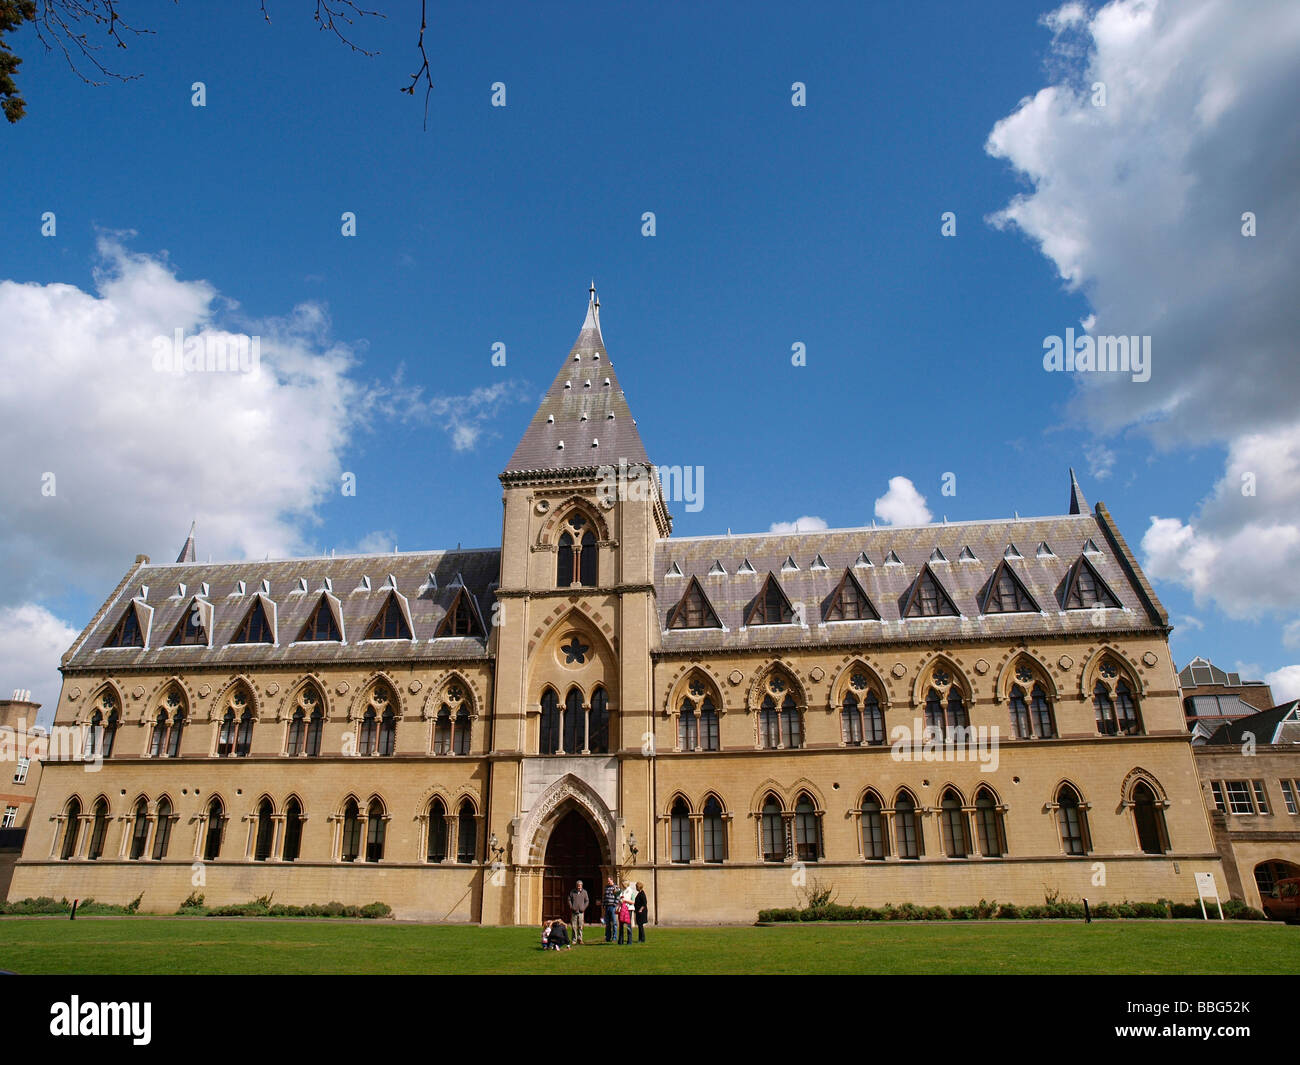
{"x":1065,"y":662}
{"x":342,"y":688}
{"x":981,"y":667}
{"x":1150,"y":658}
{"x":899,"y":671}
{"x":816,"y":674}
{"x":414,"y":687}
{"x":205,"y":690}
{"x":735,"y":677}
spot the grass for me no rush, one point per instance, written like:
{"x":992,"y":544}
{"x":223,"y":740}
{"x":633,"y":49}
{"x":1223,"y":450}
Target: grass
{"x":179,"y":946}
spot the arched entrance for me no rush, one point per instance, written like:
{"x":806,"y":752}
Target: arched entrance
{"x":573,"y":853}
{"x":1267,"y":874}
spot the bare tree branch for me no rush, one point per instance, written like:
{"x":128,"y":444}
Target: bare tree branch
{"x":424,"y":68}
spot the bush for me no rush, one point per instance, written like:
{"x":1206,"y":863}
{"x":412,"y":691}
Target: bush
{"x":40,"y":904}
{"x":193,"y":901}
{"x":375,"y":910}
{"x":1236,"y":910}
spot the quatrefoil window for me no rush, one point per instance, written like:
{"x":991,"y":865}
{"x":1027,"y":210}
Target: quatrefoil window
{"x":776,"y":685}
{"x":309,"y":696}
{"x":697,"y":689}
{"x":173,"y":699}
{"x":574,"y":651}
{"x":1109,"y":671}
{"x":1023,"y":674}
{"x":454,"y":694}
{"x":941,"y":678}
{"x":859,"y":681}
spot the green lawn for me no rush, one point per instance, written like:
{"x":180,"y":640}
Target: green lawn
{"x":207,"y":945}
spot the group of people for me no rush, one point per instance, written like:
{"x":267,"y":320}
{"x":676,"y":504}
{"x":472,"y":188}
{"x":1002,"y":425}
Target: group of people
{"x":621,"y":907}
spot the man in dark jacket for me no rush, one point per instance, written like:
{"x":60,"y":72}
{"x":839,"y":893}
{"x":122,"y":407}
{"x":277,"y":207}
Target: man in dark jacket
{"x":640,"y":912}
{"x":610,"y":909}
{"x":578,"y":903}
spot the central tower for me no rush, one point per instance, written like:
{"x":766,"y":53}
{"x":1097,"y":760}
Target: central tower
{"x":575,"y":625}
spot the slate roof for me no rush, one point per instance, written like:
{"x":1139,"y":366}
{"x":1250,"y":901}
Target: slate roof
{"x":479,"y":570}
{"x":584,"y":409}
{"x":1281,"y":724}
{"x":888,"y":585}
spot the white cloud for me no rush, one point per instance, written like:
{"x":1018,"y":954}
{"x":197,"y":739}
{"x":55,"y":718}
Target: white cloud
{"x":1192,"y":624}
{"x":378,"y":542}
{"x":1291,"y":636}
{"x":1139,"y":205}
{"x":1285,"y":683}
{"x":804,"y":524}
{"x":1101,"y":460}
{"x":32,"y":640}
{"x":902,"y":504}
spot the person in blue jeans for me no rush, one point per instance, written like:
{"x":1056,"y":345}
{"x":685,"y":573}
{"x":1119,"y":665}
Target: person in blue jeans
{"x":609,"y":909}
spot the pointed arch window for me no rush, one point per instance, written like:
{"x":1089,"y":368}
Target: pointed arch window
{"x":460,"y":733}
{"x":437,"y":843}
{"x":466,"y":834}
{"x":770,"y":606}
{"x":98,"y":829}
{"x":875,"y":837}
{"x":680,"y":819}
{"x":851,"y":721}
{"x":442,"y":731}
{"x":574,"y":719}
{"x":293,"y":820}
{"x":163,"y":831}
{"x":697,"y":717}
{"x":297,"y":733}
{"x":169,"y":724}
{"x":989,"y":827}
{"x":1031,"y":710}
{"x":849,"y":602}
{"x":103,"y":730}
{"x":862,"y":722}
{"x":139,"y":829}
{"x":215,"y":827}
{"x":376,"y":829}
{"x":907,"y":829}
{"x":322,"y":625}
{"x":265,"y":831}
{"x":1114,"y":704}
{"x":713,"y":838}
{"x":1149,"y":820}
{"x":709,"y":737}
{"x":598,"y":723}
{"x":366,"y":738}
{"x":390,"y":623}
{"x":235,"y":735}
{"x":688,"y":727}
{"x":807,"y":830}
{"x":256,"y":626}
{"x":351,"y":843}
{"x":549,"y":725}
{"x":127,"y":631}
{"x":956,"y":832}
{"x":693,"y":610}
{"x":1072,"y":819}
{"x":71,"y":829}
{"x":576,"y":554}
{"x":773,"y":830}
{"x":387,"y":734}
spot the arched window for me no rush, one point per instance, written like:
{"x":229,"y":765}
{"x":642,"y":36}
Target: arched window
{"x":791,"y":723}
{"x":1112,"y":698}
{"x":170,"y":721}
{"x":387,"y":734}
{"x":773,"y":825}
{"x":576,"y":554}
{"x":688,"y":727}
{"x":769,"y":724}
{"x":1020,"y":722}
{"x":94,"y":737}
{"x":807,"y":830}
{"x":226,"y":735}
{"x":305,"y":725}
{"x":956,"y":835}
{"x":103,"y":728}
{"x":873,"y":720}
{"x":437,"y":849}
{"x":713,"y":837}
{"x":235,"y":737}
{"x":297,"y":733}
{"x":139,"y":829}
{"x":265,"y":832}
{"x":163,"y":832}
{"x":681,"y":831}
{"x":875,"y":840}
{"x":907,"y":830}
{"x":351,"y":831}
{"x":957,"y":716}
{"x":314,"y":726}
{"x":375,"y":831}
{"x":709,"y":739}
{"x":368,"y":734}
{"x":292,"y":830}
{"x":549,"y":725}
{"x":989,"y":827}
{"x":461,"y":732}
{"x":1044,"y":721}
{"x":933,"y":712}
{"x":71,"y":829}
{"x":1072,"y":819}
{"x":466,"y":834}
{"x":574,"y":720}
{"x":98,"y":829}
{"x":216,"y":824}
{"x":851,"y":721}
{"x":442,"y":731}
{"x":1149,"y":819}
{"x":598,"y":723}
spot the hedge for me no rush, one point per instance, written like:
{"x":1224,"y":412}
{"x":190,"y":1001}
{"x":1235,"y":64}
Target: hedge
{"x":1161,"y":909}
{"x":193,"y":907}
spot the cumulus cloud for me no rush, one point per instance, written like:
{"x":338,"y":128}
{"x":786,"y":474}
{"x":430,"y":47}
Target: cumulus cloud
{"x":1101,"y":460}
{"x":1285,"y":683}
{"x":1139,"y":204}
{"x":902,"y":504}
{"x":31,"y":642}
{"x":804,"y":524}
{"x":1291,"y":636}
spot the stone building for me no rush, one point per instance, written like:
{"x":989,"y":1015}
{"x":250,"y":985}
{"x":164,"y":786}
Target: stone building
{"x":22,"y":747}
{"x":928,"y":715}
{"x":1213,"y":697}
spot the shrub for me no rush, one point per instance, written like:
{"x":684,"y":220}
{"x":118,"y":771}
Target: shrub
{"x":1185,"y":909}
{"x":40,"y":904}
{"x":134,"y":905}
{"x":1008,"y":911}
{"x":1236,"y":910}
{"x":375,"y":910}
{"x":193,"y":901}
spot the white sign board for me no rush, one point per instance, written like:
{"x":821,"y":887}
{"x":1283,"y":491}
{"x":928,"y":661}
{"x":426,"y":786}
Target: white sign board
{"x":1207,"y":889}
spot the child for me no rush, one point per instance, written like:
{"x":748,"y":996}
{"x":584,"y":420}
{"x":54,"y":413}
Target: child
{"x":546,"y":935}
{"x":624,"y":921}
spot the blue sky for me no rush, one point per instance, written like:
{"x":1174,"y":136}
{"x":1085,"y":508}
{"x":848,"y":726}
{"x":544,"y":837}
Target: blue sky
{"x":775,"y":224}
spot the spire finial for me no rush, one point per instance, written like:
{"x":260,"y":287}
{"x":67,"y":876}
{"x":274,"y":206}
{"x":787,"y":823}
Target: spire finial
{"x":1078,"y":505}
{"x":187,"y":551}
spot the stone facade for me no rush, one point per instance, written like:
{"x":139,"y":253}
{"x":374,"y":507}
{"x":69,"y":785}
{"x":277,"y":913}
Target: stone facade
{"x":492,"y":724}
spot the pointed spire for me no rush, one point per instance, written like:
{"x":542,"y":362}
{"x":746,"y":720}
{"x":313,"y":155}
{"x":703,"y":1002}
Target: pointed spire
{"x":585,"y":385}
{"x":1078,"y":505}
{"x":187,"y":552}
